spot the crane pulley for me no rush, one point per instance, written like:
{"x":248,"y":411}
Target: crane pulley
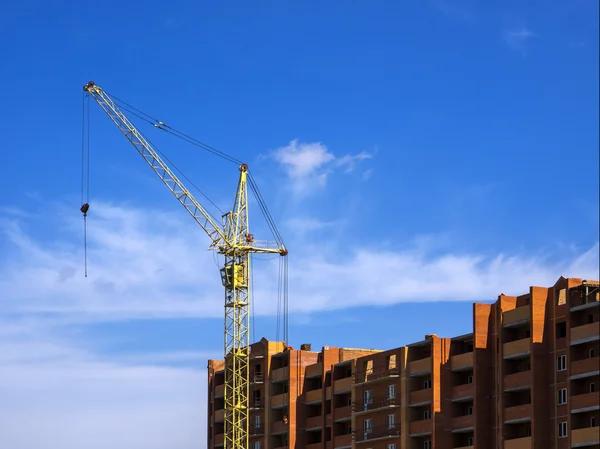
{"x":232,"y":239}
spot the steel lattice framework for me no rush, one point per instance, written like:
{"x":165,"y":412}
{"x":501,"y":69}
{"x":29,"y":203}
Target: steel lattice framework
{"x":233,"y":240}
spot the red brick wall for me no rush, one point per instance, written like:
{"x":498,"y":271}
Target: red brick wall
{"x":543,"y":390}
{"x":483,"y":361}
{"x":441,"y":382}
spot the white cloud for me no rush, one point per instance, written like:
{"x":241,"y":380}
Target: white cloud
{"x":56,"y":394}
{"x":307,"y":224}
{"x":455,"y":10}
{"x":518,"y":38}
{"x":309,"y":164}
{"x":349,"y":162}
{"x":144,"y":264}
{"x":383,"y":278}
{"x":303,"y":159}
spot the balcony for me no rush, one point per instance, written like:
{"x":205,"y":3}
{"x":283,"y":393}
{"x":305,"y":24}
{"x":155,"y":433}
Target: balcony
{"x":518,"y":348}
{"x":342,"y":385}
{"x":517,"y":381}
{"x":584,"y":402}
{"x":421,"y":427}
{"x":220,"y":415}
{"x":377,"y":433}
{"x":280,"y":374}
{"x":342,"y":441}
{"x":419,"y":367}
{"x":257,"y":431}
{"x":585,"y":303}
{"x":585,"y":333}
{"x":376,"y":375}
{"x":585,"y":368}
{"x":419,"y":397}
{"x":313,"y":396}
{"x":314,"y":446}
{"x":219,"y":440}
{"x":585,"y":437}
{"x":463,"y":422}
{"x":257,"y":378}
{"x":314,"y":422}
{"x":462,"y":392}
{"x":518,"y":443}
{"x":278,"y":427}
{"x":315,"y":370}
{"x":256,"y":404}
{"x":516,"y":316}
{"x":343,"y":413}
{"x":279,"y":401}
{"x":220,"y":391}
{"x":518,"y":413}
{"x":461,"y":362}
{"x":376,"y":404}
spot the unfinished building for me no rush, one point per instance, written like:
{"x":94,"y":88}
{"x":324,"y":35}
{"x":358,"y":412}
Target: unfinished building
{"x":526,"y":376}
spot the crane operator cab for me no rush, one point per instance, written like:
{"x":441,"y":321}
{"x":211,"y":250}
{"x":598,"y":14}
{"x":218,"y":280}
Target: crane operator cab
{"x":232,"y":276}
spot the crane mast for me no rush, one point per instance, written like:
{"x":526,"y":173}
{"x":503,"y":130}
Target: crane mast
{"x":234,"y":241}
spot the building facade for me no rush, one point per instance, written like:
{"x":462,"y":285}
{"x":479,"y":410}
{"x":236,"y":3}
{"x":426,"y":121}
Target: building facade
{"x":527,"y":376}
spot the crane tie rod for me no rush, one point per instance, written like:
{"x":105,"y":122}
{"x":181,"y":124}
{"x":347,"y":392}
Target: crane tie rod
{"x":170,"y":130}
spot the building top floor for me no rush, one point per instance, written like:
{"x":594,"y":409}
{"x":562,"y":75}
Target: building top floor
{"x":514,"y":314}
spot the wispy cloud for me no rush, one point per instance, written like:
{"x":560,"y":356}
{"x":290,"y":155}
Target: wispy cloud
{"x":142,"y":266}
{"x":455,"y":9}
{"x":142,"y":271}
{"x":307,"y":224}
{"x":57,"y":394}
{"x":380,"y":277}
{"x":348,"y":162}
{"x":14,"y":211}
{"x":309,"y":164}
{"x":518,"y":38}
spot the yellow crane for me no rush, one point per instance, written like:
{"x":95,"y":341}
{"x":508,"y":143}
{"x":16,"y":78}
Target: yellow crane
{"x":232,"y":239}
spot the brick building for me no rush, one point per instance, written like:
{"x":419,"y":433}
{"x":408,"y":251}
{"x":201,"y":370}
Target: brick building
{"x":527,"y":376}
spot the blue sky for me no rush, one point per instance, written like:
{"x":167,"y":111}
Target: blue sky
{"x":416,"y":156}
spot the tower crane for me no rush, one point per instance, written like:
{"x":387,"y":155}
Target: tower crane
{"x":232,"y":239}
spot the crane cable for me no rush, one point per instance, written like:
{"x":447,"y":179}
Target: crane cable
{"x":282,"y":306}
{"x":282,"y":301}
{"x":85,"y":173}
{"x":170,"y":130}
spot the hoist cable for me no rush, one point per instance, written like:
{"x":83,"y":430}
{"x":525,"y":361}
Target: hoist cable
{"x":88,"y":150}
{"x":285,"y":301}
{"x":253,"y":315}
{"x":85,"y":177}
{"x":279,"y":283}
{"x":82,"y":145}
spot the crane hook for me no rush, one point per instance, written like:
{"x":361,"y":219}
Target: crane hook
{"x":84,"y":209}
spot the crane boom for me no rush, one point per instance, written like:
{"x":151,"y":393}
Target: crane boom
{"x":234,"y":241}
{"x":183,"y":195}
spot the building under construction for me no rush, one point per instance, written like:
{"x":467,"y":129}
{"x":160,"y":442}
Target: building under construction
{"x":526,"y":376}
